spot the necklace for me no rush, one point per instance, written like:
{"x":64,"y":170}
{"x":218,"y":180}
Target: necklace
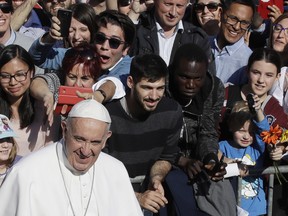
{"x":190,"y":101}
{"x":66,"y":190}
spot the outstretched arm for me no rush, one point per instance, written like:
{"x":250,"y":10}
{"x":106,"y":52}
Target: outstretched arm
{"x":39,"y":90}
{"x":21,"y":13}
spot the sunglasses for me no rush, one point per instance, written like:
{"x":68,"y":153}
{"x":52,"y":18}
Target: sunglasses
{"x":212,"y":7}
{"x":6,"y":8}
{"x":114,"y":43}
{"x":124,"y":3}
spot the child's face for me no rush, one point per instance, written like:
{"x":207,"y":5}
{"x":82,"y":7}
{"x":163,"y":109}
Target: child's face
{"x":243,"y":137}
{"x":5,"y":149}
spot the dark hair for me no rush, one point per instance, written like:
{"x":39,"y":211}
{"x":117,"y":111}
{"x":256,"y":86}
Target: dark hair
{"x":83,"y":53}
{"x":268,"y":55}
{"x":149,"y":66}
{"x":249,"y":3}
{"x":114,"y":17}
{"x":26,"y":107}
{"x":190,"y":52}
{"x":84,"y":13}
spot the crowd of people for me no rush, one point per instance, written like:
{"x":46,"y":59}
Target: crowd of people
{"x":180,"y":95}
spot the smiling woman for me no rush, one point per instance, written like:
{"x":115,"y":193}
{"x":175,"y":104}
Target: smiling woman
{"x":263,"y":70}
{"x":278,"y":41}
{"x":25,"y":114}
{"x":207,"y":14}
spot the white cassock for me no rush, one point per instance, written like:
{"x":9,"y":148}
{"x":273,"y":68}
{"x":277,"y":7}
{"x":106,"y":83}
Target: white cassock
{"x":35,"y":187}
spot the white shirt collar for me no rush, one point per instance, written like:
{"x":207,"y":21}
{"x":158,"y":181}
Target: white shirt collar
{"x":179,"y":26}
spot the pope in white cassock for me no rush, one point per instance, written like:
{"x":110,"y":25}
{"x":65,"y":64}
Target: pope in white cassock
{"x":71,"y":177}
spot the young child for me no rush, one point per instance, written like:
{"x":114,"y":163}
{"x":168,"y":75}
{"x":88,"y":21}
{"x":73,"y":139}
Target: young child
{"x":8,"y":147}
{"x":247,"y":148}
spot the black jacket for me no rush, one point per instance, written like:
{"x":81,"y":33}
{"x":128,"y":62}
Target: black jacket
{"x":199,"y":135}
{"x":147,"y":39}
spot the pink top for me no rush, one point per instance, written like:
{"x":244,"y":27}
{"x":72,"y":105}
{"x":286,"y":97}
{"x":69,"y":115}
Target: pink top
{"x":38,"y":134}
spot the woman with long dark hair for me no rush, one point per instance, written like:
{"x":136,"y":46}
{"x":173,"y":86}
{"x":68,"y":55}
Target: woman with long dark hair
{"x":26,"y":114}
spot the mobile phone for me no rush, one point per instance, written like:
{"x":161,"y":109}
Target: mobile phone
{"x":65,"y":17}
{"x":263,"y":7}
{"x":67,"y":96}
{"x":250,"y":101}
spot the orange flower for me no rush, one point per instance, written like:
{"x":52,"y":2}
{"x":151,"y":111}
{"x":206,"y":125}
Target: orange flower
{"x":273,"y":135}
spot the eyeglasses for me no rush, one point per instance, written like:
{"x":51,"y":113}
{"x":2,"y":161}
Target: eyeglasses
{"x":233,"y":20}
{"x":278,"y":28}
{"x":19,"y":77}
{"x":114,"y":43}
{"x":6,"y":8}
{"x":212,"y":7}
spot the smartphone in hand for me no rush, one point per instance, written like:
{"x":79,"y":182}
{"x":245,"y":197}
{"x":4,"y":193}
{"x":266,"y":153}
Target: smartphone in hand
{"x":263,"y":9}
{"x":67,"y":96}
{"x":250,"y":101}
{"x":65,"y":17}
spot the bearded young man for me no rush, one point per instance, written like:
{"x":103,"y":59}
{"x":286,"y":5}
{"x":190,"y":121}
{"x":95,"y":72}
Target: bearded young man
{"x":146,"y":128}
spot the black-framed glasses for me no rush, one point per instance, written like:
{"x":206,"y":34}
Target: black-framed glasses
{"x":19,"y":76}
{"x":278,"y":28}
{"x":6,"y":8}
{"x":212,"y":7}
{"x":114,"y":43}
{"x":233,"y":20}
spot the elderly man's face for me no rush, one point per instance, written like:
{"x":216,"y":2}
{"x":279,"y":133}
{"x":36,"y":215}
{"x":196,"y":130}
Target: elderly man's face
{"x":169,"y":12}
{"x":84,"y":140}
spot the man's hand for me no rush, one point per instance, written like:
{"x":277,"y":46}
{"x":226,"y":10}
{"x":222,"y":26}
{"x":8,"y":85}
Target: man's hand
{"x":216,"y":175}
{"x":152,"y":200}
{"x":193,"y":168}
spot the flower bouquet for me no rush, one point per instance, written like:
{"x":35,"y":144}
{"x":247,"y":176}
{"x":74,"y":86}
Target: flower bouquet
{"x":272,"y":137}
